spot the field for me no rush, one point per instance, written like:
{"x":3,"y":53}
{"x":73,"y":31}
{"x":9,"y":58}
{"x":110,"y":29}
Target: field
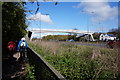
{"x":77,"y":62}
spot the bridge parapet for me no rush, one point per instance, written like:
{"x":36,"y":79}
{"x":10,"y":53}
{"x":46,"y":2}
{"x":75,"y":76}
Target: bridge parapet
{"x":43,"y":70}
{"x":61,"y":31}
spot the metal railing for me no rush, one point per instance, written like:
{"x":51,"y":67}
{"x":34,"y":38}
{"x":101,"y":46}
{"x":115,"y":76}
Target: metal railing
{"x":43,"y":70}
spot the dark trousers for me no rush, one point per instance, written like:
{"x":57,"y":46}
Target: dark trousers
{"x":23,"y":53}
{"x":11,"y":54}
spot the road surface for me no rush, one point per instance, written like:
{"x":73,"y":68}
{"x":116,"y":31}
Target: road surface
{"x":102,"y":45}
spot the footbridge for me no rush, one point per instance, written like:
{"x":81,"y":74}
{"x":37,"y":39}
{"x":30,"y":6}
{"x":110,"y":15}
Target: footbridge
{"x":61,"y":31}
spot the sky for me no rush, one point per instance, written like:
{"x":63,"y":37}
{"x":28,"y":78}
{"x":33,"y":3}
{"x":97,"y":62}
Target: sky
{"x":95,"y":16}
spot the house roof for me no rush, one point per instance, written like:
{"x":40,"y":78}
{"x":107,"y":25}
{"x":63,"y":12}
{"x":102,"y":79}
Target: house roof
{"x":111,"y":35}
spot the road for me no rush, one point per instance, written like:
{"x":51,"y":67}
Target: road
{"x":102,"y":45}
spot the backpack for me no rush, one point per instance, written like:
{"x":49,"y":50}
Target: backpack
{"x":11,"y":46}
{"x":23,"y":44}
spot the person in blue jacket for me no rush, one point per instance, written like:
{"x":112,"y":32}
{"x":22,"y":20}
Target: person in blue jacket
{"x":22,"y":48}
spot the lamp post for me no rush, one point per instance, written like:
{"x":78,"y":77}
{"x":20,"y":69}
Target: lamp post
{"x":40,"y":17}
{"x":87,"y":23}
{"x":41,"y":25}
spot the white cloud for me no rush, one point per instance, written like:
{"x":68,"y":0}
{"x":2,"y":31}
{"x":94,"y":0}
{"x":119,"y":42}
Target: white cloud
{"x":41,"y":17}
{"x":100,"y":11}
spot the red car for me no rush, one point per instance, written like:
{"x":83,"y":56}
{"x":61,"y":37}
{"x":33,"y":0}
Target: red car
{"x":113,"y":44}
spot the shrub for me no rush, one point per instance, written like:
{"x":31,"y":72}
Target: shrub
{"x":30,"y":75}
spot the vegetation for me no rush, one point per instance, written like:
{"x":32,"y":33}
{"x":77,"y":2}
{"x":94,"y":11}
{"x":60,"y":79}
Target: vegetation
{"x":13,"y":23}
{"x":77,"y":62}
{"x":115,"y":31}
{"x":96,"y":35}
{"x":30,"y":75}
{"x":68,"y":37}
{"x":58,"y":37}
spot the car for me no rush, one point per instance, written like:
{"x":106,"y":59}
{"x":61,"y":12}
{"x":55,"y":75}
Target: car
{"x":70,"y":40}
{"x":113,"y":43}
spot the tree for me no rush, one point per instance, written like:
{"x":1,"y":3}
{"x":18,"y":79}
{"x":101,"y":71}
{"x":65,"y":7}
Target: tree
{"x":97,"y":35}
{"x":115,"y":31}
{"x":13,"y":22}
{"x":56,"y":37}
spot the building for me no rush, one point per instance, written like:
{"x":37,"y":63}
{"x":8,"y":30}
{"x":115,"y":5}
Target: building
{"x":106,"y":37}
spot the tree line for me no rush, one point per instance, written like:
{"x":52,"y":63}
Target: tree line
{"x":58,"y":37}
{"x":73,"y":36}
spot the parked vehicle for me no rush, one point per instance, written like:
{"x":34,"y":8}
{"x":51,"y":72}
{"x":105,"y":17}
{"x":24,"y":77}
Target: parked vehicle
{"x":113,"y":43}
{"x":71,"y":40}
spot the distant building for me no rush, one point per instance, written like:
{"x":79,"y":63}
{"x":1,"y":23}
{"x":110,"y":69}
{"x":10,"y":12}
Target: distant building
{"x":106,"y":37}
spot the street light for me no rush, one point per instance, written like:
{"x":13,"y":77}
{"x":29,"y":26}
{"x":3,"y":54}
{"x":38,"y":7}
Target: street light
{"x":87,"y":22}
{"x":41,"y":24}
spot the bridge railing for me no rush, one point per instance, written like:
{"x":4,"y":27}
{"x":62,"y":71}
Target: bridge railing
{"x":43,"y":70}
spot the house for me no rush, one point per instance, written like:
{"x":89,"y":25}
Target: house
{"x":106,"y":37}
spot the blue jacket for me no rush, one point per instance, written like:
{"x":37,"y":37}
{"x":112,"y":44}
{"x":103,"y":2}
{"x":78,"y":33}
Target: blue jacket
{"x":18,"y":47}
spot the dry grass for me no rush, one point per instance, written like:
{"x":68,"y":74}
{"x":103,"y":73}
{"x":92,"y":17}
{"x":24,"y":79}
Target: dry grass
{"x":50,"y":46}
{"x":107,"y":59}
{"x":96,"y":54}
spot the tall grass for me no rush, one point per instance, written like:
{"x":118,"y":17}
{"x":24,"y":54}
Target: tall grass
{"x":76,"y":62}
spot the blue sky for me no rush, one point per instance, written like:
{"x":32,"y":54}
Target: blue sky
{"x":70,"y":15}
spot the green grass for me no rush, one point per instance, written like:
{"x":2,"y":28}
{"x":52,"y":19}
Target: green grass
{"x":76,"y":62}
{"x":30,"y":75}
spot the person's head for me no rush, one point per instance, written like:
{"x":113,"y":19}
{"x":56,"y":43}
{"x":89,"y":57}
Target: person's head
{"x":22,"y":38}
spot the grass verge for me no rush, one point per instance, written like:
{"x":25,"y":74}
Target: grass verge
{"x":76,"y":62}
